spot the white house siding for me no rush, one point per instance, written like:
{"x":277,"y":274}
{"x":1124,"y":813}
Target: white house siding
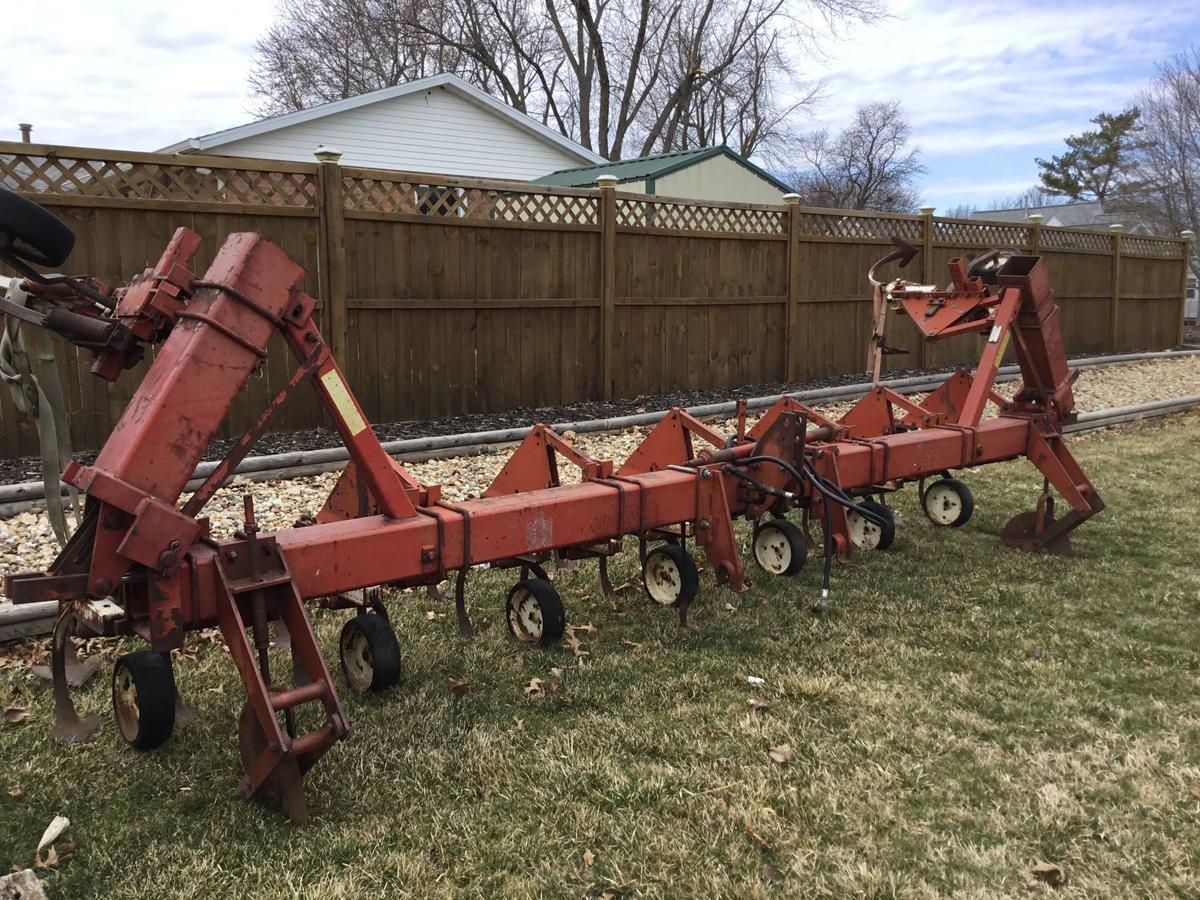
{"x":433,"y":131}
{"x":717,"y":178}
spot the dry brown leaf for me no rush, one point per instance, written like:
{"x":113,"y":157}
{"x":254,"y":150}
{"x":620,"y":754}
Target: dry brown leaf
{"x":14,"y":715}
{"x":576,"y":646}
{"x":1048,"y":873}
{"x":49,"y":862}
{"x":519,"y":724}
{"x":16,"y":791}
{"x":757,"y":704}
{"x":589,"y":859}
{"x":536,"y":687}
{"x":757,"y":838}
{"x":556,"y":672}
{"x":589,"y":628}
{"x":430,"y":615}
{"x":632,"y":645}
{"x":781,"y":755}
{"x":461,"y":685}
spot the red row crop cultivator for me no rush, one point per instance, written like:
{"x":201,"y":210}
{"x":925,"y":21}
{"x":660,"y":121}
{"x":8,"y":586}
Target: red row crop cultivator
{"x":143,"y":563}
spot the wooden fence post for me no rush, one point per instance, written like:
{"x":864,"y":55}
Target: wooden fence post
{"x":608,"y":281}
{"x":1035,"y":241}
{"x":1114,"y":309}
{"x":1189,"y":247}
{"x":927,"y":275}
{"x":791,"y":319}
{"x":331,"y":254}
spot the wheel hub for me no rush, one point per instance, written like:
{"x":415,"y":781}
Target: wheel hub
{"x":863,"y":533}
{"x":525,"y":616}
{"x":772,"y":550}
{"x":943,"y":504}
{"x":663,"y":581}
{"x":125,"y":702}
{"x":359,"y":665}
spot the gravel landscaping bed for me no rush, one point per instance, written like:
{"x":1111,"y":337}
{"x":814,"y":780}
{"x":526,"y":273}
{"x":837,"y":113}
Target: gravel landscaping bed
{"x":29,"y":468}
{"x":27,"y":543}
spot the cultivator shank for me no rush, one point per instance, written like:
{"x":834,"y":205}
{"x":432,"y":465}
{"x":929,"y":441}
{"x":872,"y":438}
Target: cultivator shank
{"x":143,"y":563}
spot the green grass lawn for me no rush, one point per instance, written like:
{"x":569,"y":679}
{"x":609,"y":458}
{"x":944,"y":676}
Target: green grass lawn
{"x":962,"y":711}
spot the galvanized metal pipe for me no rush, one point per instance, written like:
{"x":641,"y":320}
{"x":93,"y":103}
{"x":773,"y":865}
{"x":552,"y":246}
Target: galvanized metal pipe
{"x":418,"y":449}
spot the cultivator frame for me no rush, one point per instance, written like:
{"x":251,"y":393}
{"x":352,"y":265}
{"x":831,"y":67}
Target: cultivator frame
{"x":141,"y":563}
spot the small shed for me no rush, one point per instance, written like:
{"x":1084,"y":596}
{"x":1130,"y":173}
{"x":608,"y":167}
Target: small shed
{"x":706,"y":173}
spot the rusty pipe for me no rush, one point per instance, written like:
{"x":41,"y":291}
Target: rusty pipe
{"x":730,"y":454}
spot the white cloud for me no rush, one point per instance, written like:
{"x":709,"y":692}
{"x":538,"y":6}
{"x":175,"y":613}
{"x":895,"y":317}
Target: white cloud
{"x":132,"y":75}
{"x":1001,"y":75}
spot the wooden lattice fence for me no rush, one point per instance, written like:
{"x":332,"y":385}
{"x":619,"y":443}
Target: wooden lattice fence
{"x":445,"y":295}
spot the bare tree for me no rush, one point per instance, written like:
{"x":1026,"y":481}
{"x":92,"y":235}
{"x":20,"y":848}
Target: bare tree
{"x":1168,"y":159}
{"x":869,"y":165}
{"x":623,"y":77}
{"x":323,"y":50}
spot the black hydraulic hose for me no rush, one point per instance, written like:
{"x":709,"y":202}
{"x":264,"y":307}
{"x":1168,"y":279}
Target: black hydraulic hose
{"x":832,"y":494}
{"x":827,"y":488}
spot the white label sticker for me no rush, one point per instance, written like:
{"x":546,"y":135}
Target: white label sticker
{"x":338,"y":393}
{"x":995,"y":335}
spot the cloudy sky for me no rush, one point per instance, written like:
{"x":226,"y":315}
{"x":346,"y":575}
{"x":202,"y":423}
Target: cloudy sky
{"x":988,"y":87}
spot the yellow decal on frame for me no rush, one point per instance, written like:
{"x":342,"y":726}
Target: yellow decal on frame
{"x":338,"y":393}
{"x":1002,"y":348}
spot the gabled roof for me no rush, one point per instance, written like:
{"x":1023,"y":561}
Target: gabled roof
{"x":1079,"y":214}
{"x":445,"y":80}
{"x":651,"y":167}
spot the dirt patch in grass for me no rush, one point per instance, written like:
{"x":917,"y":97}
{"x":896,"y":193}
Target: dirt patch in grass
{"x":961,"y":713}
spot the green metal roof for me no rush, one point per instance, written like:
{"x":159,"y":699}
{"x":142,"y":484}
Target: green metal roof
{"x":650,"y":167}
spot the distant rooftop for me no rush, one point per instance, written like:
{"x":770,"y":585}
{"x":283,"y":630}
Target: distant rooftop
{"x":650,"y":167}
{"x":1087,"y":214}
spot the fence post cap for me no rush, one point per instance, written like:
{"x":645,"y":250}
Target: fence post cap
{"x":927,"y":210}
{"x":606,"y":181}
{"x":1187,"y":234}
{"x":1036,"y":218}
{"x":1116,"y":226}
{"x":327,"y":154}
{"x":791,"y":199}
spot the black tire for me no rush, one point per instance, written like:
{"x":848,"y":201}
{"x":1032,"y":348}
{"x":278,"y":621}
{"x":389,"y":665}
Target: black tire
{"x":887,"y":531}
{"x":794,"y":554}
{"x":32,"y":233}
{"x":682,"y":578}
{"x":534,"y":613}
{"x":369,"y":653}
{"x":944,"y":516}
{"x":143,"y":697}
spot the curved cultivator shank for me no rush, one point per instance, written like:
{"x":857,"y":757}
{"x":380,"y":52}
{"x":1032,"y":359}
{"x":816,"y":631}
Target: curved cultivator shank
{"x":141,"y":563}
